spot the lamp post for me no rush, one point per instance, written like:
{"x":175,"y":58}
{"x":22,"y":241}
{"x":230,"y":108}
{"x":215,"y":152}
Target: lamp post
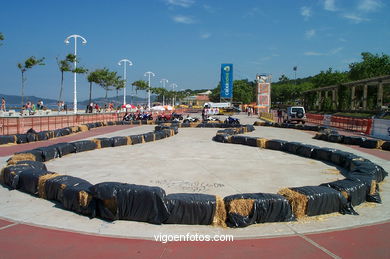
{"x":84,"y":41}
{"x":173,"y":98}
{"x":163,"y":81}
{"x":124,"y":61}
{"x":149,"y":74}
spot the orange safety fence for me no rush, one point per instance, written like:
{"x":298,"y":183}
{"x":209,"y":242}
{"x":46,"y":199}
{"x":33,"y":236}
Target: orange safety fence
{"x":314,"y":118}
{"x":342,"y":122}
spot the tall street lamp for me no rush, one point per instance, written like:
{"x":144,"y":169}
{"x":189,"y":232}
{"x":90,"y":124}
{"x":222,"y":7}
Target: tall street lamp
{"x":84,"y":41}
{"x":124,"y":61}
{"x":173,"y":85}
{"x":163,"y":81}
{"x":149,"y":74}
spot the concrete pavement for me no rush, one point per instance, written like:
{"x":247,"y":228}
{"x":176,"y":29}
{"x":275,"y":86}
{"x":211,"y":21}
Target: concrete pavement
{"x":192,"y":162}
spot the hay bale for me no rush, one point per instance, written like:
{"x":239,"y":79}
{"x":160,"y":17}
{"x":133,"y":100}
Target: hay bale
{"x":20,"y":157}
{"x":129,"y":142}
{"x":84,"y":198}
{"x":75,"y":129}
{"x":41,"y":184}
{"x":297,"y":201}
{"x":262,"y":142}
{"x":373,"y":187}
{"x":219,"y":218}
{"x":83,"y":128}
{"x":259,"y":123}
{"x":97,"y":142}
{"x":243,"y":207}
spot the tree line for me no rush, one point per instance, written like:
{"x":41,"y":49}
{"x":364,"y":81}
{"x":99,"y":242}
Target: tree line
{"x":288,"y":91}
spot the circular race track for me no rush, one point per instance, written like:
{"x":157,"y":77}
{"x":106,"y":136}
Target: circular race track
{"x":191,"y":162}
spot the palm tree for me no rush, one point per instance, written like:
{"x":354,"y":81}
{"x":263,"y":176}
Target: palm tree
{"x":93,"y":77}
{"x":63,"y":66}
{"x":29,"y":63}
{"x":119,"y":84}
{"x":1,"y":38}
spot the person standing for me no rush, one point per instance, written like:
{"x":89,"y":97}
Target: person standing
{"x":280,"y":116}
{"x":3,"y":104}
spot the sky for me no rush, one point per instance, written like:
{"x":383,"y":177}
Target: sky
{"x":186,"y":41}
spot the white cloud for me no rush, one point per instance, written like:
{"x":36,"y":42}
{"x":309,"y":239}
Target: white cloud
{"x":329,"y":53}
{"x":355,"y":18}
{"x":310,"y":34}
{"x":369,"y":5}
{"x":183,"y":19}
{"x":342,"y":40}
{"x":312,"y":53}
{"x":306,"y":12}
{"x":329,"y":5}
{"x":181,"y":3}
{"x":205,"y":35}
{"x":335,"y":51}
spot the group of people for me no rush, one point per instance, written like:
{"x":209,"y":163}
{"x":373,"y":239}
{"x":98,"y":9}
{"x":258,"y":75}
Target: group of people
{"x":94,"y":106}
{"x":3,"y":102}
{"x":206,"y":112}
{"x":32,"y":108}
{"x":249,"y":110}
{"x":62,"y":106}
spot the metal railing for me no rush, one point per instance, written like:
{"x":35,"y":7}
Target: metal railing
{"x":362,"y":125}
{"x":19,"y":125}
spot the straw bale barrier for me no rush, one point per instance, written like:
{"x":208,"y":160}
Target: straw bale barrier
{"x":113,"y":201}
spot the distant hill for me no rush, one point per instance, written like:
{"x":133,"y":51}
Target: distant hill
{"x":17,"y":100}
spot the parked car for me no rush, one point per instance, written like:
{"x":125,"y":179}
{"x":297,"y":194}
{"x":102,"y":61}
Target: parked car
{"x":296,"y":114}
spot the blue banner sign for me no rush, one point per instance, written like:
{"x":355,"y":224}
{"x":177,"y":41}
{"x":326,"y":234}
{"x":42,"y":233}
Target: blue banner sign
{"x":227,"y":81}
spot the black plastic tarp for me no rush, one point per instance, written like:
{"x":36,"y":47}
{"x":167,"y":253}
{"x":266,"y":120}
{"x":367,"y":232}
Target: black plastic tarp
{"x":84,"y":145}
{"x":159,"y":135}
{"x":43,"y":135}
{"x":28,"y":180}
{"x":353,"y":140}
{"x":275,"y":144}
{"x":324,"y":200}
{"x":136,"y":139}
{"x":224,"y":138}
{"x":190,"y":208}
{"x":7,"y":139}
{"x":21,"y":138}
{"x":239,"y":140}
{"x":149,"y":137}
{"x":32,"y":164}
{"x":336,"y":138}
{"x":357,"y":191}
{"x":64,"y":149}
{"x":367,"y":168}
{"x":106,"y":142}
{"x":291,"y":147}
{"x":323,"y":154}
{"x":306,"y":150}
{"x":386,"y":145}
{"x":119,"y":141}
{"x":66,"y":189}
{"x":370,"y":143}
{"x":11,"y":174}
{"x":266,"y":208}
{"x":49,"y":152}
{"x":130,"y":202}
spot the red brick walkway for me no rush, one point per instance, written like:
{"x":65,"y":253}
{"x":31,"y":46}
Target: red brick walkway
{"x":26,"y":241}
{"x":19,"y":240}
